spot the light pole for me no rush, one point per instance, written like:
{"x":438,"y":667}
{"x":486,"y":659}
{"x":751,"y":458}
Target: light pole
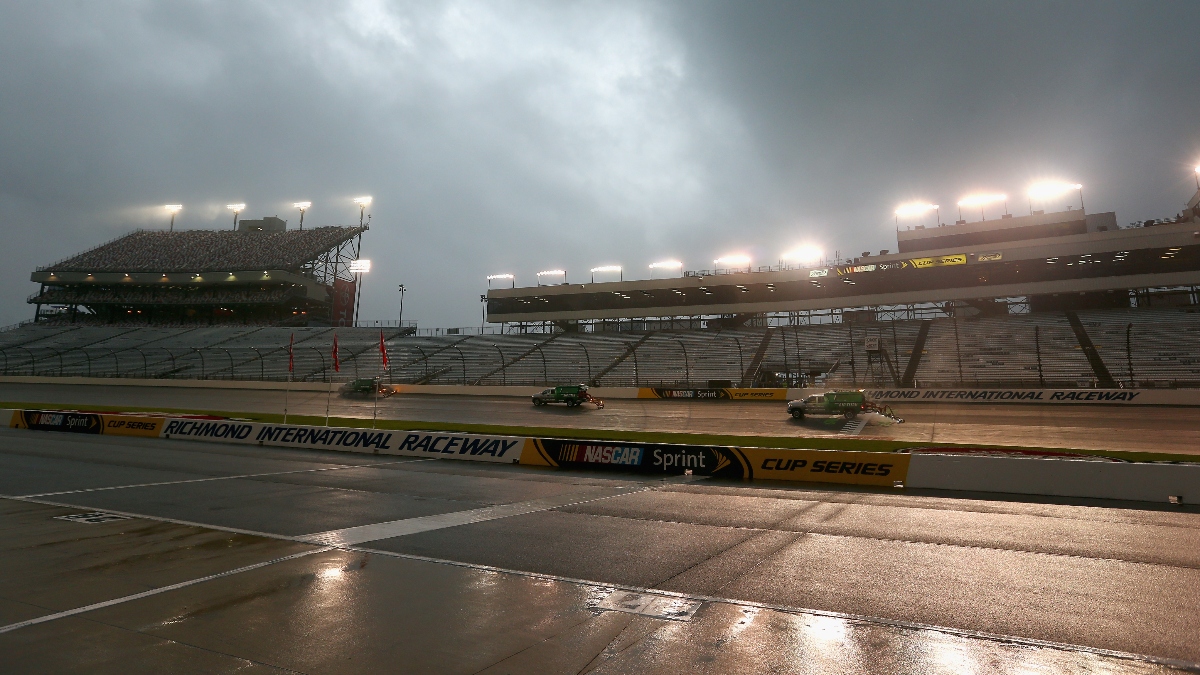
{"x":402,"y":290}
{"x":1197,"y":177}
{"x":303,"y":206}
{"x":358,"y":268}
{"x":509,"y":277}
{"x":173,"y":209}
{"x":363,"y":203}
{"x":482,"y":312}
{"x":236,"y":208}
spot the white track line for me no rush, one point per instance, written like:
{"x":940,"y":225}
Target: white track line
{"x":156,"y":591}
{"x":398,"y":528}
{"x":911,"y":625}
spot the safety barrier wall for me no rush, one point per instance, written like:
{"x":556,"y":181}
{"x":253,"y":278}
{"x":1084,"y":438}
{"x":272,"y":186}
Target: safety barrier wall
{"x":1161,"y":397}
{"x":923,"y":468}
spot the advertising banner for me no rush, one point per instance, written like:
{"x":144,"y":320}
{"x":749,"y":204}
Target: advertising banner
{"x":1042,"y":396}
{"x":445,"y":445}
{"x":828,"y":466}
{"x":715,"y":394}
{"x":343,"y":302}
{"x":87,"y":423}
{"x":939,"y":261}
{"x":824,"y":466}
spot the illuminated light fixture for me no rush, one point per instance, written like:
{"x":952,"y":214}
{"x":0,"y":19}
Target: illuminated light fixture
{"x":981,"y":200}
{"x":731,"y":260}
{"x":607,"y":268}
{"x":303,"y":206}
{"x":1197,"y":177}
{"x":551,"y":273}
{"x":805,"y":255}
{"x":665,"y":265}
{"x":236,"y":208}
{"x":490,"y":279}
{"x":914,"y":209}
{"x":360,"y":266}
{"x":363,"y":202}
{"x":173,"y":209}
{"x":1045,"y":190}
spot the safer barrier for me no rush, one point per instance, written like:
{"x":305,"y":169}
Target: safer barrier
{"x":992,"y":470}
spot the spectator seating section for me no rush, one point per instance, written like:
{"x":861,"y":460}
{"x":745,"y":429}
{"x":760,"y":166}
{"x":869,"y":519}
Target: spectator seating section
{"x":993,"y":351}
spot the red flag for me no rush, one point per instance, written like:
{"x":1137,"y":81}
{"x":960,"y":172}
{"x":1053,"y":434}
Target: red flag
{"x":291,"y":356}
{"x":382,"y":350}
{"x":337,"y":365}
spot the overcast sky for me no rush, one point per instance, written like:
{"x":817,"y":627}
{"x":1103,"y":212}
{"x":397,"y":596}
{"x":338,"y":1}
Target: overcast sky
{"x":521,"y":136}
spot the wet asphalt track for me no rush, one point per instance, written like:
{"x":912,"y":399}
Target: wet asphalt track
{"x":788,"y":579}
{"x":1145,"y":429}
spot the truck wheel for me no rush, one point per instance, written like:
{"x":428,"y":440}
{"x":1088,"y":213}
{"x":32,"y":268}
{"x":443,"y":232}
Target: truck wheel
{"x":798,"y":414}
{"x":851,"y":414}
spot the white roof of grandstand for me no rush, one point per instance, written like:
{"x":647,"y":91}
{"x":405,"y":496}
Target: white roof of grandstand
{"x":207,"y":250}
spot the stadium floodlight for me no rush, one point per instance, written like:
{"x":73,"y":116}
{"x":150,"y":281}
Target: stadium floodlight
{"x":551,"y":273}
{"x":665,"y":265}
{"x":510,"y":277}
{"x":912,"y":209}
{"x":363,"y":202}
{"x":173,"y":209}
{"x":1197,"y":175}
{"x":1045,"y":190}
{"x":236,"y":208}
{"x":303,"y":206}
{"x":981,"y":200}
{"x":735,"y":260}
{"x":805,"y":255}
{"x":607,"y":268}
{"x":360,"y":266}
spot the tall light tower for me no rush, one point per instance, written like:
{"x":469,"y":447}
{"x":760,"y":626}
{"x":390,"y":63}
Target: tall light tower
{"x":363,"y":203}
{"x":303,"y":206}
{"x":402,"y":290}
{"x":173,"y":209}
{"x":236,"y":208}
{"x":358,"y":268}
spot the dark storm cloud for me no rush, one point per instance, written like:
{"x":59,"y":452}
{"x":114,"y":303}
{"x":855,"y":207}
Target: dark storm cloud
{"x":514,"y":137}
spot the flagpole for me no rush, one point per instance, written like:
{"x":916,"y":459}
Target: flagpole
{"x":337,"y":368}
{"x":291,"y":365}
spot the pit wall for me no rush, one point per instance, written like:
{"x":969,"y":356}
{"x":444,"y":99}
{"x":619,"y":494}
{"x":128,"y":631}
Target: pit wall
{"x":941,"y":469}
{"x":1160,"y":397}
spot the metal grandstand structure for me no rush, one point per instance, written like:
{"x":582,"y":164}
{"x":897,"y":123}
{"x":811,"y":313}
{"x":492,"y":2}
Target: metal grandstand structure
{"x":204,"y":276}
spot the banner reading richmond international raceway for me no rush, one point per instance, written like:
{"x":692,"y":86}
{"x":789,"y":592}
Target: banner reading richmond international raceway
{"x":386,"y":442}
{"x":1045,"y":396}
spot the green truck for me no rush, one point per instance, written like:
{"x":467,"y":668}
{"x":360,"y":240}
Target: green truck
{"x":845,"y":403}
{"x":573,"y":395}
{"x":368,"y":386}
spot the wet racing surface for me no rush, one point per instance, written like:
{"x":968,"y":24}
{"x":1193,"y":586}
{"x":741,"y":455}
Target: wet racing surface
{"x":501,"y":569}
{"x":1140,"y":428}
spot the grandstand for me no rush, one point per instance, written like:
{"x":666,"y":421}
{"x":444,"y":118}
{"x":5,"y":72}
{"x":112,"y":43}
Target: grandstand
{"x":1145,"y":347}
{"x":1046,"y":300}
{"x":260,"y":274}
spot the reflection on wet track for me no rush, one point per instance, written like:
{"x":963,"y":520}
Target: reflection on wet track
{"x":610,"y":573}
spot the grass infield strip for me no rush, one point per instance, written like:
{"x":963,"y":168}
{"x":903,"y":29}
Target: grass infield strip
{"x":788,"y":442}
